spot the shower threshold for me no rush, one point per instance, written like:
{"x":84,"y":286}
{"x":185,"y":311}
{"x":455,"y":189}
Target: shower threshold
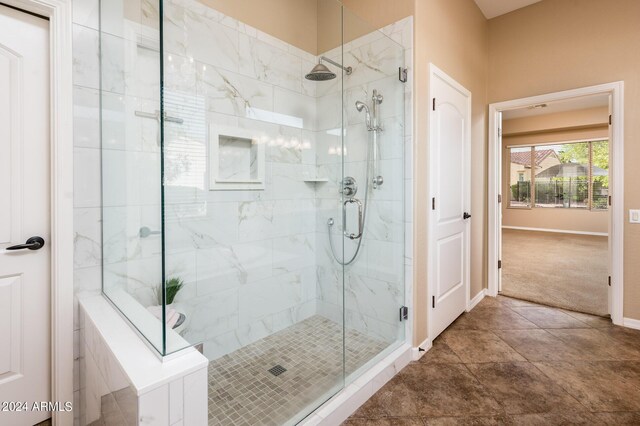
{"x":243,"y":389}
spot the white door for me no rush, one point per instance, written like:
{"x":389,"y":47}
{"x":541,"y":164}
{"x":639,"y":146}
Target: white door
{"x":24,"y":212}
{"x":449,"y":150}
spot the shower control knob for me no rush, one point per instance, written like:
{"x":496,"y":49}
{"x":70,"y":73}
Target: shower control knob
{"x":348,"y":187}
{"x":377,"y":181}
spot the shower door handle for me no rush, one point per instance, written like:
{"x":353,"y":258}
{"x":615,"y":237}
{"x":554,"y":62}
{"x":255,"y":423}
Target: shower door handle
{"x":344,"y":218}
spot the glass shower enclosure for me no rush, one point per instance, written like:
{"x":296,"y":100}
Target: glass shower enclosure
{"x":253,"y":195}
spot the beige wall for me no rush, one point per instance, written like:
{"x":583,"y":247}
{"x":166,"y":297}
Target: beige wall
{"x":563,"y":44}
{"x":453,"y":34}
{"x":270,"y":16}
{"x":589,"y":123}
{"x":314,"y":25}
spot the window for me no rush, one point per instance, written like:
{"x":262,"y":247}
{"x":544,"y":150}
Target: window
{"x":520,"y":177}
{"x":569,"y":175}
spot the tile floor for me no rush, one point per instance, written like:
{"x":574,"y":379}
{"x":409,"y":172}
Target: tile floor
{"x":243,"y":392}
{"x":514,"y":362}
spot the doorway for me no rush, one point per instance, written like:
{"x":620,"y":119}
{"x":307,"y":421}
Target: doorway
{"x":449,"y":218}
{"x":25,"y":233}
{"x":555,"y":206}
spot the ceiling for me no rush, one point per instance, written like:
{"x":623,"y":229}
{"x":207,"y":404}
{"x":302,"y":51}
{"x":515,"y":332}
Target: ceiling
{"x":493,"y":8}
{"x":559,"y":106}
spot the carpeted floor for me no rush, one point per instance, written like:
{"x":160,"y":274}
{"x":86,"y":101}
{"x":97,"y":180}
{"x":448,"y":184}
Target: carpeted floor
{"x":564,"y":270}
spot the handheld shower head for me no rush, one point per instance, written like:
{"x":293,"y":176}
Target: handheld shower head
{"x":362,"y":106}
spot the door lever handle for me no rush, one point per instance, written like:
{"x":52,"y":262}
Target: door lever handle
{"x":466,"y":215}
{"x":33,"y":243}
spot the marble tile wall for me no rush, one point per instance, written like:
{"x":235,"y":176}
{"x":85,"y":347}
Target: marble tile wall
{"x":248,"y":257}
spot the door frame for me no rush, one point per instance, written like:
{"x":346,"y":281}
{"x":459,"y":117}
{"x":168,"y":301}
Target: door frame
{"x":433,"y":72}
{"x":59,"y":13}
{"x":616,"y":187}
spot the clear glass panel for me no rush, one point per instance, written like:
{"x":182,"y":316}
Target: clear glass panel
{"x":520,"y":177}
{"x":562,"y":175}
{"x":600,"y":175}
{"x":131,"y":185}
{"x":373,"y":109}
{"x":248,"y":163}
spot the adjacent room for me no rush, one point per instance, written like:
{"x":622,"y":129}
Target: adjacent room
{"x":555,"y":214}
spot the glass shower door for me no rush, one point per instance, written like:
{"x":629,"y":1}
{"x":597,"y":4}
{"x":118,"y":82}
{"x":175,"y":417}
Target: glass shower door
{"x":374,"y":161}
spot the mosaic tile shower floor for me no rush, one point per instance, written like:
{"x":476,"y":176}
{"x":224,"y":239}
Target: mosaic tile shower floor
{"x":243,"y":392}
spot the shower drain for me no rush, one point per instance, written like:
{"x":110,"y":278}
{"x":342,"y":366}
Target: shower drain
{"x":277,"y":370}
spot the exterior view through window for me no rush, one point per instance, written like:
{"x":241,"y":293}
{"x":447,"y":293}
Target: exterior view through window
{"x":568,"y":175}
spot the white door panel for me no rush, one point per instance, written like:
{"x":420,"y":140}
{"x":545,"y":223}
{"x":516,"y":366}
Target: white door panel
{"x":449,"y":149}
{"x":24,"y":196}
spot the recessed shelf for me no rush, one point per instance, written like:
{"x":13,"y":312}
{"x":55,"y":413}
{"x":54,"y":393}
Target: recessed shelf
{"x":316,"y":180}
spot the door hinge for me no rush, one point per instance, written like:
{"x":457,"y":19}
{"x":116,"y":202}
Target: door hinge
{"x":499,"y":198}
{"x":433,"y":301}
{"x":433,"y":203}
{"x":499,"y":264}
{"x":609,"y":280}
{"x":609,"y":199}
{"x":433,"y":106}
{"x":402,"y":74}
{"x":404,"y":313}
{"x":609,"y":119}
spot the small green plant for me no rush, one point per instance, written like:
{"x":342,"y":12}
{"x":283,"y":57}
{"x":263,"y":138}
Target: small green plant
{"x":172,"y":287}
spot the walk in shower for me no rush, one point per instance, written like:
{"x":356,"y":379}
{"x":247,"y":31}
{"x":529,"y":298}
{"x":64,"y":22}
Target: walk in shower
{"x":253,"y":199}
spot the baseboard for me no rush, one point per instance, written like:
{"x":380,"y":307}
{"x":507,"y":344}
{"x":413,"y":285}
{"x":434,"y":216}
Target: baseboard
{"x":419,"y":351}
{"x":559,"y":231}
{"x":478,"y":297}
{"x":631,"y":323}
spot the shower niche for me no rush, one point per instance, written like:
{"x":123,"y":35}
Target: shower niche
{"x":236,"y":159}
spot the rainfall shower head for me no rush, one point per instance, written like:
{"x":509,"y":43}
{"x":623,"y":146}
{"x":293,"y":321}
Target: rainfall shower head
{"x":320,"y":72}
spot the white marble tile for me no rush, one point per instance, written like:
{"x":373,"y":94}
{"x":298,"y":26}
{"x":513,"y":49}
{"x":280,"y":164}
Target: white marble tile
{"x":130,"y":178}
{"x":113,"y":16}
{"x":218,"y":269}
{"x":297,"y":105}
{"x":292,"y":217}
{"x":189,"y":33}
{"x":385,"y":221}
{"x":153,"y":407}
{"x":229,"y":93}
{"x":113,"y":64}
{"x":269,"y":296}
{"x":209,"y":316}
{"x":262,"y":61}
{"x":385,"y":261}
{"x":288,"y":182}
{"x":86,"y":117}
{"x":87,"y":237}
{"x":293,"y":253}
{"x":176,"y":401}
{"x":195,"y":398}
{"x":256,"y":220}
{"x":201,"y":225}
{"x":373,"y":61}
{"x":86,"y":62}
{"x":86,"y":185}
{"x":86,"y":13}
